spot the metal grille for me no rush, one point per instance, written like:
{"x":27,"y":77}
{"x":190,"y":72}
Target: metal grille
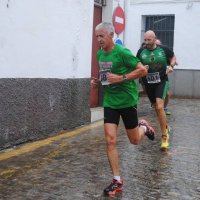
{"x":163,"y":26}
{"x":100,"y":2}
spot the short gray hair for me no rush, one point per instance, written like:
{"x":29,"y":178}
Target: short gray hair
{"x":107,"y":26}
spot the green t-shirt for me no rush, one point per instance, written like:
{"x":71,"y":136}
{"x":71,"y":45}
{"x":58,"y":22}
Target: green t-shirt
{"x":119,"y":61}
{"x":157,"y":59}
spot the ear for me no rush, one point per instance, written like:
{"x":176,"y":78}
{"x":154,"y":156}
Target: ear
{"x":111,"y":34}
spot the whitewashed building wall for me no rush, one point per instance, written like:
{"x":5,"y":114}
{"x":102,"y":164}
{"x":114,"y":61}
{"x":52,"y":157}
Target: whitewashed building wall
{"x":45,"y":62}
{"x":185,"y":81}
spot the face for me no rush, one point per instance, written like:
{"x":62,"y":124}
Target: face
{"x":149,"y":41}
{"x":104,"y":38}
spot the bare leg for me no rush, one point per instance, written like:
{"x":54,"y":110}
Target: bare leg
{"x":111,"y":140}
{"x":135,"y":135}
{"x":167,"y":99}
{"x":159,"y":107}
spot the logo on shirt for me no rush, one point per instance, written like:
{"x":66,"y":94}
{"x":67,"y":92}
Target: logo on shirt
{"x":105,"y":65}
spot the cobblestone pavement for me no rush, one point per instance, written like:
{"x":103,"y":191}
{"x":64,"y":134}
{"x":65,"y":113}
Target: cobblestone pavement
{"x":76,"y":167}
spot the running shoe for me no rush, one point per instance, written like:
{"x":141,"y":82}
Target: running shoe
{"x":114,"y":187}
{"x":150,"y":133}
{"x":167,"y":112}
{"x":165,"y":139}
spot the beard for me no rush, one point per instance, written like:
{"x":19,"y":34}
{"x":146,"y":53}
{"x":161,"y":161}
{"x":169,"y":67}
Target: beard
{"x":149,"y":46}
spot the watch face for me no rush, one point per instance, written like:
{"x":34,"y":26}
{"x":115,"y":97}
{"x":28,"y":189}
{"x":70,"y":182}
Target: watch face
{"x":124,"y":77}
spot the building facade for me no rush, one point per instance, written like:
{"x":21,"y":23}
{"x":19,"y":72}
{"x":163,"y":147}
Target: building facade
{"x":48,"y":55}
{"x":45,"y":62}
{"x":180,"y":19}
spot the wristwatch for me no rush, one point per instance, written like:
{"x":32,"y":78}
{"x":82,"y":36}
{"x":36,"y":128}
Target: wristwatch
{"x":125,"y":78}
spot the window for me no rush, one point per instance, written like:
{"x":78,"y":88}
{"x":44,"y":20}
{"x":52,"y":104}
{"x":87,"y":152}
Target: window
{"x":100,"y":2}
{"x":163,"y":26}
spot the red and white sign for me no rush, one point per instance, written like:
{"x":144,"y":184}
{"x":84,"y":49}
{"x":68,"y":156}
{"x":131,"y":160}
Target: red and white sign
{"x":119,"y":20}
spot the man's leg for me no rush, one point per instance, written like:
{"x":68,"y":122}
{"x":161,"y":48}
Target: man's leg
{"x":166,"y":99}
{"x":111,"y":121}
{"x":135,"y":130}
{"x":160,"y":93}
{"x":136,"y":135}
{"x":163,"y":123}
{"x":161,"y":115}
{"x":167,"y":112}
{"x":111,"y":142}
{"x":112,"y":152}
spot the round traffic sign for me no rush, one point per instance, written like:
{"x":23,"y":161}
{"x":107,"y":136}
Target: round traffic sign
{"x":118,"y":41}
{"x":119,"y":20}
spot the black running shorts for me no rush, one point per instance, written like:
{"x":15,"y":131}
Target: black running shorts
{"x":157,"y":90}
{"x":128,"y":115}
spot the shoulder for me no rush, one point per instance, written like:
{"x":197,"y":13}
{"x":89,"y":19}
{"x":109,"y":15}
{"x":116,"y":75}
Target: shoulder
{"x":123,"y":51}
{"x":140,"y":51}
{"x":121,"y":48}
{"x":166,"y":49}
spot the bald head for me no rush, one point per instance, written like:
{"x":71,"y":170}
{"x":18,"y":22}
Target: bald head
{"x":150,"y":39}
{"x":150,"y":34}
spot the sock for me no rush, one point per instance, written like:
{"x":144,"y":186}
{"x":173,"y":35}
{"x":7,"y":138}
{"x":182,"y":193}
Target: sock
{"x":117,"y":178}
{"x":145,"y":128}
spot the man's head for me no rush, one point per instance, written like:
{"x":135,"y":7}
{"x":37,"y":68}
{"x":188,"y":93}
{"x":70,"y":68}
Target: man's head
{"x":150,"y":40}
{"x":104,"y":33}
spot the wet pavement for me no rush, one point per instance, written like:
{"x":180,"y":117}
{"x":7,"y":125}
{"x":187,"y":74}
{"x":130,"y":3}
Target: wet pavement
{"x":75,"y":166}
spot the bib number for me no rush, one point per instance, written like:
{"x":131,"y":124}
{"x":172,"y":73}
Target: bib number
{"x":153,"y":77}
{"x":104,"y":76}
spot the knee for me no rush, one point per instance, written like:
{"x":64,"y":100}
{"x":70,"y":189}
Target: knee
{"x":111,"y":141}
{"x":134,"y":141}
{"x":159,"y":107}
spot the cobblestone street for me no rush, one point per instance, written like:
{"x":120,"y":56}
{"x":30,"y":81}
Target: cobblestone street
{"x":76,"y":167}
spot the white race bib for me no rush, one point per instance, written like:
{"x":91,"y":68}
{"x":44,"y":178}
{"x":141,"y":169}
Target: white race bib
{"x":104,"y":76}
{"x":153,"y":77}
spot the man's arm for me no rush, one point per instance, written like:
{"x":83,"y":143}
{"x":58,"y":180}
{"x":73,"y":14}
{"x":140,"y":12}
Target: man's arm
{"x":171,"y":59}
{"x":172,"y":63}
{"x":138,"y":72}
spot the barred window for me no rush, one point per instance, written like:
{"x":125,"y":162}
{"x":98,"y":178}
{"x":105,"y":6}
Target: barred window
{"x":100,"y":2}
{"x":163,"y":26}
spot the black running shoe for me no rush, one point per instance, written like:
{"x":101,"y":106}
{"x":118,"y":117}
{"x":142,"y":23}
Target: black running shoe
{"x":114,"y":187}
{"x":150,"y":133}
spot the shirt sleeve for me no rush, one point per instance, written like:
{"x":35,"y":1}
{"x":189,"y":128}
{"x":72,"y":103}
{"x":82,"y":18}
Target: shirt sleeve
{"x":129,"y":59}
{"x":169,"y":54}
{"x":139,"y":52}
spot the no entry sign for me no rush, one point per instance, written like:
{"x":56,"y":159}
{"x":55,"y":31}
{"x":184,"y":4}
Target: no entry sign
{"x":119,"y":20}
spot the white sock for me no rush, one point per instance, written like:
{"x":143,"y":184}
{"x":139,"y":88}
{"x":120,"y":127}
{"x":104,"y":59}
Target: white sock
{"x":144,"y":127}
{"x":117,"y":178}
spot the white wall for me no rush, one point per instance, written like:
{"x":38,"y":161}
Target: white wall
{"x":107,"y":14}
{"x":45,"y":39}
{"x":186,"y":33}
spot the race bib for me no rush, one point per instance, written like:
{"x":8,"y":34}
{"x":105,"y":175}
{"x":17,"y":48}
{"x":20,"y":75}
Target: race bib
{"x":103,"y":76}
{"x":153,"y":77}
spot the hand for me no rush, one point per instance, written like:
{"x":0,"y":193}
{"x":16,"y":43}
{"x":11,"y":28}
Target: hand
{"x":113,"y":78}
{"x":147,"y":67}
{"x":169,"y":69}
{"x":94,"y":82}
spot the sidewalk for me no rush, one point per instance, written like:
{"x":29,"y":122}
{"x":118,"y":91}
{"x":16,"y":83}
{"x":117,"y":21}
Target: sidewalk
{"x":74,"y":166}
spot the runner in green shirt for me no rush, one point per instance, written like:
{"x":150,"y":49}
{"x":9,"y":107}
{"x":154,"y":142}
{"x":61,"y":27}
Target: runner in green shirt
{"x":118,"y":71}
{"x":123,"y":94}
{"x":156,"y":81}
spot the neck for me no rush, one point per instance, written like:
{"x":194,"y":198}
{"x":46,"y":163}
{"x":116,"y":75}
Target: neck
{"x":109,"y":49}
{"x":154,"y":46}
